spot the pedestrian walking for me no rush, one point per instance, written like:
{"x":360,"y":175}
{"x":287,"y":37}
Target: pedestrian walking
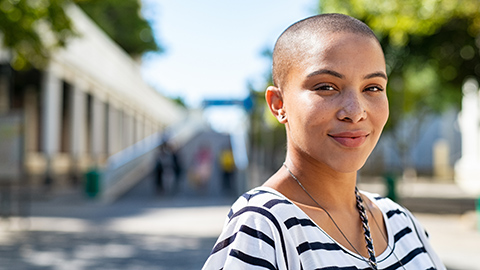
{"x":201,"y":170}
{"x":177,"y":169}
{"x":227,"y":165}
{"x":159,"y":171}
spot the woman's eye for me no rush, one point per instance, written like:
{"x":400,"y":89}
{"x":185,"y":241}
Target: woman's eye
{"x":325,"y":87}
{"x":374,"y":89}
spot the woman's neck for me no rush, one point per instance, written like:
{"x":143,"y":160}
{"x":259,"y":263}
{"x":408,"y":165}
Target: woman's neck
{"x":333,"y":190}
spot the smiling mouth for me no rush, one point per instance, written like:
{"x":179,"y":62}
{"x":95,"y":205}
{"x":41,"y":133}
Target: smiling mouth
{"x":350,"y":141}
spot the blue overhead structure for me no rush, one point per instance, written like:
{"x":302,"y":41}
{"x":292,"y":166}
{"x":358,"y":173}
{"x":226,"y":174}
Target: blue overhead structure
{"x":246,"y":103}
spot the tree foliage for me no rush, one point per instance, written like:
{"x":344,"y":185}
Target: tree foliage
{"x":24,"y":25}
{"x":123,"y":22}
{"x":431,"y":47}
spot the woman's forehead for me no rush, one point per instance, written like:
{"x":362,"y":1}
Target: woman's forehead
{"x":337,"y":55}
{"x":336,"y":48}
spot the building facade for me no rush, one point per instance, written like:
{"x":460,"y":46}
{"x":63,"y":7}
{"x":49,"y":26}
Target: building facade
{"x":89,"y":103}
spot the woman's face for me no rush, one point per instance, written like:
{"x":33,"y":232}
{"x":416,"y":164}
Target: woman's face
{"x":335,"y":101}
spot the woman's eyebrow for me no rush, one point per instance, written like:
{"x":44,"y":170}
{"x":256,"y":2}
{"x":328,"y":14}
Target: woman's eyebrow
{"x":325,"y":71}
{"x":376,"y":75}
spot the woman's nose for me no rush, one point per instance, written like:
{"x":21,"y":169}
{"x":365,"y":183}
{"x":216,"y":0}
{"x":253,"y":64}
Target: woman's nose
{"x":352,"y":108}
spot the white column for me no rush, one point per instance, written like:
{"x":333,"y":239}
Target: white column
{"x":120,"y":130}
{"x":467,"y":168}
{"x":147,"y":127}
{"x":133,"y":128}
{"x":112,"y":130}
{"x":127,"y":129}
{"x":51,"y":109}
{"x":78,"y":123}
{"x":139,"y":130}
{"x":97,"y":132}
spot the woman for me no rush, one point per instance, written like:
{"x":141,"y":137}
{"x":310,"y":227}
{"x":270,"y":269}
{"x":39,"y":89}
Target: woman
{"x":329,"y":90}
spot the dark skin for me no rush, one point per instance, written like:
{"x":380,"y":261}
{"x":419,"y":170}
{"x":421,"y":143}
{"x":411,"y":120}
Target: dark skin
{"x":334,"y":107}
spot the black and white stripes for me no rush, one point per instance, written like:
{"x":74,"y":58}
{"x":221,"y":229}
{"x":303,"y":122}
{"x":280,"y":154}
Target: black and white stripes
{"x":264,"y":230}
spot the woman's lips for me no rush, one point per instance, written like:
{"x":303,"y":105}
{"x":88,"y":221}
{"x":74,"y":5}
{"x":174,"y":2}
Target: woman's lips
{"x":350,"y":138}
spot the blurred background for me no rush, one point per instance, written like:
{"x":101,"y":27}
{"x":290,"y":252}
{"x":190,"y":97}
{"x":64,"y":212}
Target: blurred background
{"x":128,"y":127}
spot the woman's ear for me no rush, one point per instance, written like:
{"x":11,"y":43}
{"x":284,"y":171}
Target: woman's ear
{"x":274,"y":98}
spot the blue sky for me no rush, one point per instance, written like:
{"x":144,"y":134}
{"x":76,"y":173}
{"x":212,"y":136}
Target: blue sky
{"x":213,"y":48}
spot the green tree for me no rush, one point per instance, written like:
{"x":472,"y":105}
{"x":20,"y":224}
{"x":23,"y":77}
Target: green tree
{"x":431,"y":48}
{"x":123,"y":22}
{"x":22,"y":24}
{"x":267,"y":135}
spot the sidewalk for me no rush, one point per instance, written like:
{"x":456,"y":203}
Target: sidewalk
{"x":448,"y":214}
{"x":147,"y":234}
{"x":142,"y":231}
{"x":426,"y":196}
{"x":455,"y":239}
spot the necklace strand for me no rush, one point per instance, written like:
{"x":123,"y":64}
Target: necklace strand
{"x":371,"y":261}
{"x":384,"y":236}
{"x":366,"y":230}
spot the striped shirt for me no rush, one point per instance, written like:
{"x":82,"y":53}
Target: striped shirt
{"x":265,"y":230}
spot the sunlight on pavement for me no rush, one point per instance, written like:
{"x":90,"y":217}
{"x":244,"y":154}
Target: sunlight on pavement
{"x":190,"y":221}
{"x":455,"y":239}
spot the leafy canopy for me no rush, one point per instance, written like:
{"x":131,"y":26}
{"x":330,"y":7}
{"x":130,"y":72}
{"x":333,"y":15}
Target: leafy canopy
{"x":24,"y":25}
{"x":123,"y":22}
{"x":431,"y":47}
{"x":399,"y":20}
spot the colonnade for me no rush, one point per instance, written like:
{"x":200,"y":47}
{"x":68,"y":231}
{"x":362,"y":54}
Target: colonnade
{"x":87,"y":104}
{"x":70,"y":127}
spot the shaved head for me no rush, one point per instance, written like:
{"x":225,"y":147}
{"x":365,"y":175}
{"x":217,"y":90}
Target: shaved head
{"x":294,"y":42}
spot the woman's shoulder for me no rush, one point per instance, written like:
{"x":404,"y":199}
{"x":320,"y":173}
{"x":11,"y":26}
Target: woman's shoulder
{"x":263,"y":201}
{"x":254,"y":226}
{"x":393,"y":211}
{"x":383,"y":202}
{"x":264,"y":197}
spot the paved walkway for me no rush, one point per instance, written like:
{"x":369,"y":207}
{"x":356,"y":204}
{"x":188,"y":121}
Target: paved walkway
{"x":448,"y":213}
{"x":142,"y":231}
